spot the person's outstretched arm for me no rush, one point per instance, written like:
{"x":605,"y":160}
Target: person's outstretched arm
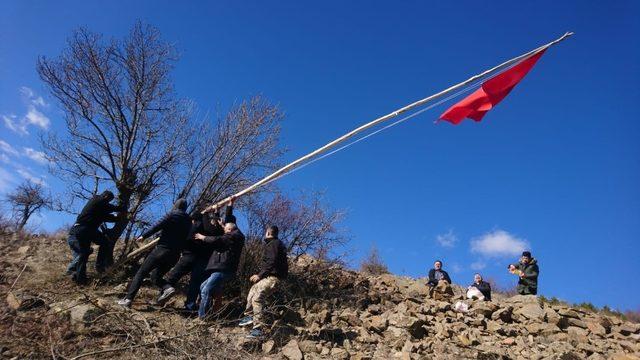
{"x":155,"y":228}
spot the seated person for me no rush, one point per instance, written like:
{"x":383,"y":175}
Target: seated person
{"x":479,"y":289}
{"x":439,"y":282}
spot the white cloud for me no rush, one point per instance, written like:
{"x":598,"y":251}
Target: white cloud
{"x":456,"y":268}
{"x":447,"y":240}
{"x":33,"y":117}
{"x":7,"y":148}
{"x":478,"y":265}
{"x":29,"y":176}
{"x":4,"y":158}
{"x":498,"y":243}
{"x":31,"y":97}
{"x":35,"y":155}
{"x":7,"y":181}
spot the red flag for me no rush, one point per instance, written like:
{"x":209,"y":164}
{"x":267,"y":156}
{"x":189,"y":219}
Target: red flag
{"x":476,"y":105}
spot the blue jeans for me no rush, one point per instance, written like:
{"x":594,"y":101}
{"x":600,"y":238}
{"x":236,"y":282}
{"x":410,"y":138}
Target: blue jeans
{"x":211,"y":286}
{"x":80,"y":249}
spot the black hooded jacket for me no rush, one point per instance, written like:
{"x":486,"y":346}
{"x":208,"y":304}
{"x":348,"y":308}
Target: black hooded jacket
{"x":175,"y":227}
{"x":274,"y":259}
{"x":226,"y":251}
{"x":98,"y":210}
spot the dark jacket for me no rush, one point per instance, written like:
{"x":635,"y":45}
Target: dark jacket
{"x":226,"y":252}
{"x":485,"y":289}
{"x":202,"y":226}
{"x":528,"y":285}
{"x":175,"y":227}
{"x":96,"y":211}
{"x":432,"y":277}
{"x":274,"y":259}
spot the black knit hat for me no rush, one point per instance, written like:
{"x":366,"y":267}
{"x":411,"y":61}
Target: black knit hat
{"x":526,"y":254}
{"x":180,"y":204}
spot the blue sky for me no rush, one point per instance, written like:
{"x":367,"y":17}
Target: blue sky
{"x":554,"y":168}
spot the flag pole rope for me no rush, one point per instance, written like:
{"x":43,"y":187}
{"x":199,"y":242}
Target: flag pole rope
{"x":310,"y":156}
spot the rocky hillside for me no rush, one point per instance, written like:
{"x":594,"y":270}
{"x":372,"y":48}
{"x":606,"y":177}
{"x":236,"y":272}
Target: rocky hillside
{"x":324,"y":312}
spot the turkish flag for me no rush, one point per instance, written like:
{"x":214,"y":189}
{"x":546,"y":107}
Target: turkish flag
{"x":476,"y":105}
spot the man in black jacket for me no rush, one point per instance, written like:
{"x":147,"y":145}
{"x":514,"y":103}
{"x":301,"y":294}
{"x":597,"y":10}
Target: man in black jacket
{"x":85,"y":230}
{"x":195,"y":255}
{"x":222,"y":264}
{"x":439,"y":282}
{"x":175,"y":228}
{"x":273,"y":269}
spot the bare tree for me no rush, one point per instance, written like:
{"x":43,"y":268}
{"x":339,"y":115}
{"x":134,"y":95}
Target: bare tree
{"x":226,"y":157}
{"x":306,"y":224}
{"x":126,"y":129}
{"x":373,"y":264}
{"x":25,"y":201}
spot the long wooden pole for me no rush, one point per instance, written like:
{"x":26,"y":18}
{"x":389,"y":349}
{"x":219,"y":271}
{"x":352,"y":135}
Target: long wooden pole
{"x":368,"y":125}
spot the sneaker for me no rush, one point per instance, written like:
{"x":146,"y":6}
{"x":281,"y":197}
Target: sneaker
{"x":166,"y":294}
{"x":245,"y":321}
{"x":125,"y":302}
{"x":255,"y":334}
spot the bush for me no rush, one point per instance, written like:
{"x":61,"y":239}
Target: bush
{"x":373,"y":264}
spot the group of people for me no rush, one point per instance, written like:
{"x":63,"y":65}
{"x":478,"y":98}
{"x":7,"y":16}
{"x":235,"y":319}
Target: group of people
{"x":439,"y":282}
{"x":206,"y":246}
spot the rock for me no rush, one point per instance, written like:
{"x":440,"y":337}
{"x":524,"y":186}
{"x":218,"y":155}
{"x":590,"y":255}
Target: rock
{"x":622,"y":356}
{"x":530,"y":311}
{"x":522,"y":299}
{"x":464,"y":340}
{"x":624,"y":329}
{"x":576,"y":322}
{"x":340,"y":354}
{"x":83,"y":314}
{"x":267,"y":346}
{"x":577,"y":335}
{"x":13,"y":301}
{"x":376,"y":323}
{"x":484,"y":308}
{"x":291,"y":351}
{"x":503,"y":314}
{"x":596,"y":328}
{"x":569,"y":356}
{"x":19,"y":302}
{"x":350,"y":317}
{"x":551,"y":316}
{"x":569,"y":313}
{"x":308,"y":346}
{"x":509,"y":341}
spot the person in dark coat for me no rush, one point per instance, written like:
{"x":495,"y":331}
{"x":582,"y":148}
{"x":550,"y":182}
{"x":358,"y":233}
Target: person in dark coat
{"x":174,"y":228}
{"x":195,"y":255}
{"x":482,"y":286}
{"x":527,"y":270}
{"x":274,"y":268}
{"x":222,"y":264}
{"x":439,"y":282}
{"x":85,"y":231}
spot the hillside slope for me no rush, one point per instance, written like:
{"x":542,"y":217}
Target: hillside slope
{"x":324,"y":312}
